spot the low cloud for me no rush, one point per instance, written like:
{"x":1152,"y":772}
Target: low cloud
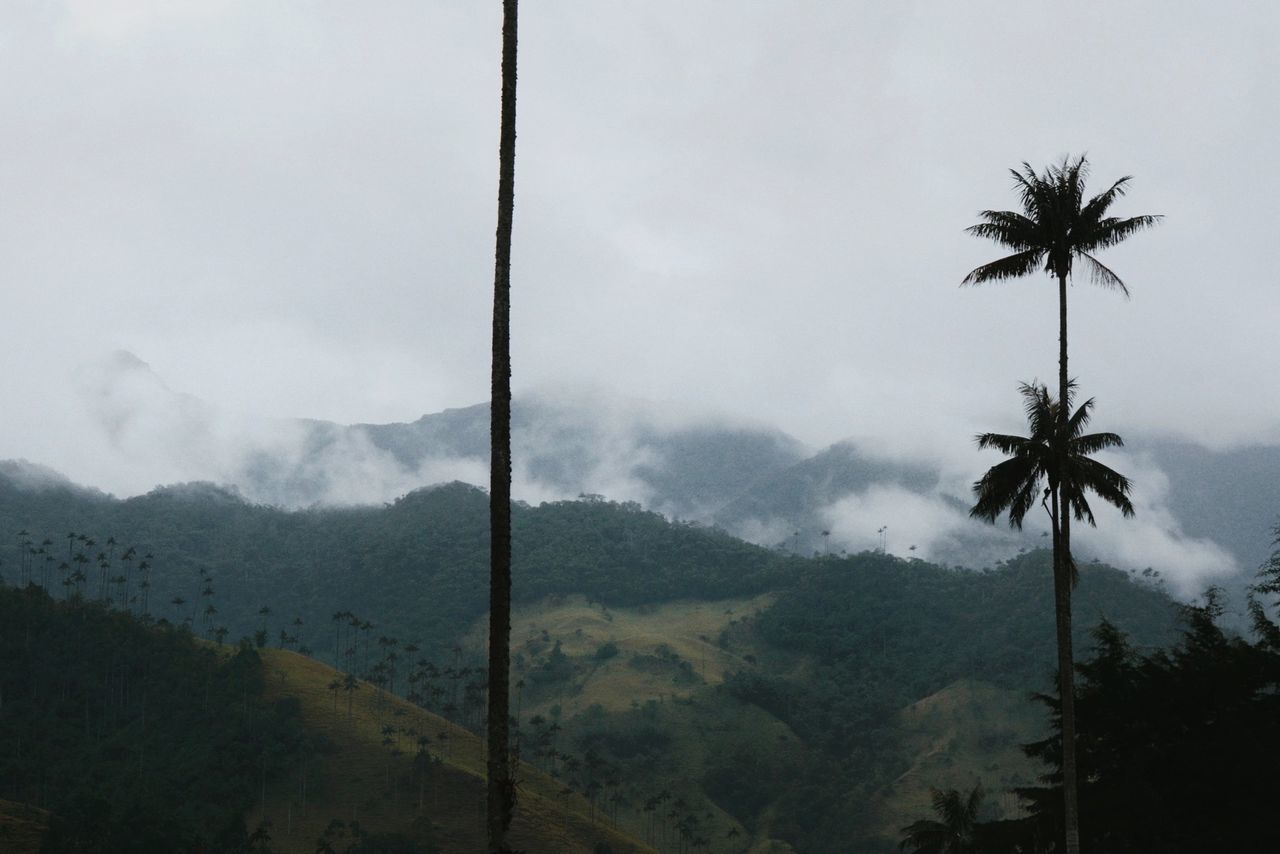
{"x":931,"y":526}
{"x":1153,"y":537}
{"x":122,"y":429}
{"x":937,"y":524}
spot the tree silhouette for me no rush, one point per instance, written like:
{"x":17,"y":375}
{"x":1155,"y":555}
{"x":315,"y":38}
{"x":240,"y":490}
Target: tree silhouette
{"x":1055,"y":228}
{"x":48,"y":562}
{"x":1056,"y":451}
{"x":955,"y":829}
{"x":350,"y":684}
{"x":500,"y":799}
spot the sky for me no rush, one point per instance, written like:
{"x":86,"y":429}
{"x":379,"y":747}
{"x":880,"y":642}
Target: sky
{"x":752,"y":208}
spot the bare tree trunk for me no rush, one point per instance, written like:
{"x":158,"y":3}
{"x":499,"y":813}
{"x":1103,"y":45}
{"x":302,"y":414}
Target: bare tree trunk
{"x":1063,"y":578}
{"x":501,"y":786}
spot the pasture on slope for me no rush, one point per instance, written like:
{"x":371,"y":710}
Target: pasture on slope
{"x":361,"y":779}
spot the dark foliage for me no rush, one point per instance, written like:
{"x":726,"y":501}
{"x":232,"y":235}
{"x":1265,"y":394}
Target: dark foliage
{"x":1178,"y":747}
{"x":136,"y":738}
{"x":887,"y":632}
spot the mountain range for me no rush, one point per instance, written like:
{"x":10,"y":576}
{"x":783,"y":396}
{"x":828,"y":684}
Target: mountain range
{"x":1205,"y":516}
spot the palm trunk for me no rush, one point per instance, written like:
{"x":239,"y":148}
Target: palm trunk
{"x":501,"y":787}
{"x":1062,"y":583}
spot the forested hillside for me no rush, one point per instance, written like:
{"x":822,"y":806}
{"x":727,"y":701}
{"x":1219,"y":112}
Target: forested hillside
{"x":828,"y":658}
{"x":135,"y":739}
{"x":116,"y":736}
{"x":416,"y":568}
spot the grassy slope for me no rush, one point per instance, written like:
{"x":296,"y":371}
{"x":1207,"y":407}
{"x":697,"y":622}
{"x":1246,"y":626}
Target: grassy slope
{"x":968,"y":732}
{"x":354,"y":781}
{"x":701,"y":723}
{"x":687,"y":628}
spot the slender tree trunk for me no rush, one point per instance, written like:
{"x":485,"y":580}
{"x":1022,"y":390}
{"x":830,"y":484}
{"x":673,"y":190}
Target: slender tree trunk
{"x":501,"y":786}
{"x":1062,"y":584}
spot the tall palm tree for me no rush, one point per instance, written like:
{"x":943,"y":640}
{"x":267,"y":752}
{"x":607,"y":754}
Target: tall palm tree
{"x":500,"y":799}
{"x":1055,"y":452}
{"x":1056,"y":228}
{"x":956,"y":830}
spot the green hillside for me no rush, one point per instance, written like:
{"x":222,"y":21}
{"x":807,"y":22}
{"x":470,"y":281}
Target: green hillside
{"x":397,"y":769}
{"x":145,"y":739}
{"x":691,"y":686}
{"x":416,"y":568}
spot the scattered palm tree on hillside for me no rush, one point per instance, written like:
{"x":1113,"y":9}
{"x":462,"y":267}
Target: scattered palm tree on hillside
{"x":1055,"y":452}
{"x":500,"y":798}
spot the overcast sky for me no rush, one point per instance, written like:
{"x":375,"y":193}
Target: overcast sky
{"x":287,"y":208}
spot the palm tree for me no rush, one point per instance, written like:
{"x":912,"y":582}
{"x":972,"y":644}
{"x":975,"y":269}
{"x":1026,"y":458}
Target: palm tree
{"x":1056,"y":228}
{"x":501,"y":786}
{"x":1059,"y":455}
{"x":954,"y":833}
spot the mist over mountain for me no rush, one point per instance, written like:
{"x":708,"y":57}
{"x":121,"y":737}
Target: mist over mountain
{"x":1203,"y":515}
{"x":568,"y":447}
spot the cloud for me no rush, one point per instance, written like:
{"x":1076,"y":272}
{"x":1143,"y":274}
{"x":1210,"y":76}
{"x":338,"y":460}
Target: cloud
{"x":928,"y":526}
{"x":1153,"y":537}
{"x":128,"y":432}
{"x":289,"y":209}
{"x":939,"y":526}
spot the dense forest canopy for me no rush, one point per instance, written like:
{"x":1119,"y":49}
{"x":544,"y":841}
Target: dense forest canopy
{"x":135,"y":738}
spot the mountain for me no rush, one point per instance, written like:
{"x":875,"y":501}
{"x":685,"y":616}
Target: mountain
{"x":589,"y":445}
{"x":565,"y":445}
{"x":143,"y":738}
{"x":664,"y":652}
{"x":1207,"y":514}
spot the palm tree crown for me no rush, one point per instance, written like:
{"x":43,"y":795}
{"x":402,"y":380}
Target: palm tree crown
{"x":1056,"y":226}
{"x":954,"y":833}
{"x":1013,"y":486}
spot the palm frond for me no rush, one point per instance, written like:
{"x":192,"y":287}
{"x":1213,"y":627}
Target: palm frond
{"x":1109,"y":484}
{"x":1070,"y":178}
{"x":942,"y":801}
{"x":1076,"y":423}
{"x":1008,"y":228}
{"x":1001,"y":442}
{"x":1097,"y":207}
{"x":1108,"y":232}
{"x":1009,"y":267}
{"x":1010,"y":486}
{"x":1078,"y":504}
{"x":1102,"y":275}
{"x":1040,"y":408}
{"x":974,"y":802}
{"x":1035,"y":191}
{"x":1094,"y":442}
